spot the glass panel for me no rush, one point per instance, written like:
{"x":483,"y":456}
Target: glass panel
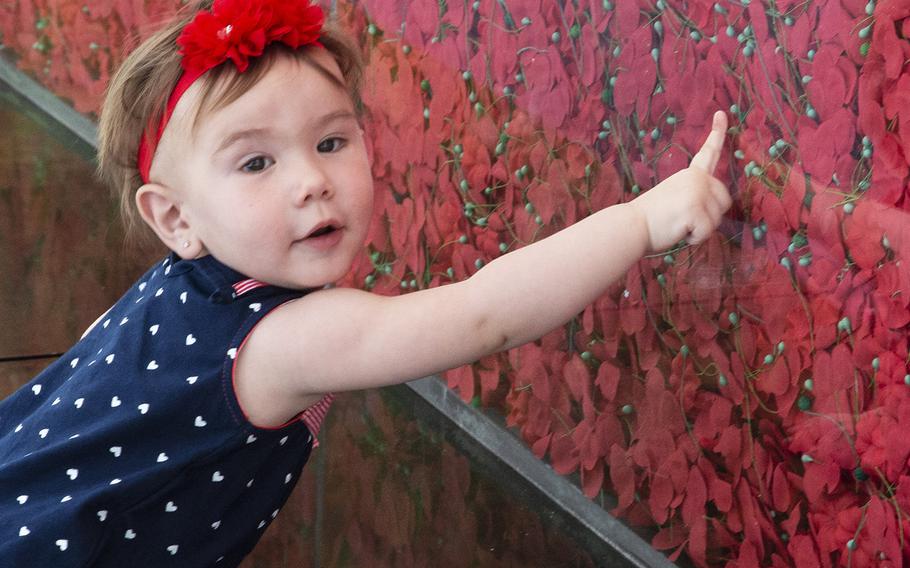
{"x":62,"y":258}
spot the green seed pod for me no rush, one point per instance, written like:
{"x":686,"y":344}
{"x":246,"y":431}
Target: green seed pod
{"x":695,"y":35}
{"x":526,"y":21}
{"x":661,"y":280}
{"x":806,"y":458}
{"x":859,"y":474}
{"x":503,"y":247}
{"x":739,"y":155}
{"x":463,"y":239}
{"x":722,"y":380}
{"x":450,"y":272}
{"x":733,"y":318}
{"x":809,"y":384}
{"x":876,"y":364}
{"x":627,"y":409}
{"x":668,"y":259}
{"x":478,"y":263}
{"x":804,"y":402}
{"x":684,"y":350}
{"x":586,"y":355}
{"x":555,"y":37}
{"x":575,"y":31}
{"x":785,"y":262}
{"x":369,"y":280}
{"x":769,"y":359}
{"x":844,"y":325}
{"x":406,"y":49}
{"x":849,"y":207}
{"x":372,"y":29}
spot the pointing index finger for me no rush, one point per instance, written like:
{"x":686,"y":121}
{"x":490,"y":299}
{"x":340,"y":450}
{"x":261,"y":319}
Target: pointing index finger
{"x":709,"y":154}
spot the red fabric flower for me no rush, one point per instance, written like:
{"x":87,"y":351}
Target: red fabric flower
{"x":240,"y":29}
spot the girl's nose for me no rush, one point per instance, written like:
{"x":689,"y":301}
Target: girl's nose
{"x":314,"y":185}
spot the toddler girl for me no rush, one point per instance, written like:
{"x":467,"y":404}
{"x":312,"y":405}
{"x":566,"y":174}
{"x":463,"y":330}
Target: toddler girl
{"x":174,"y":430}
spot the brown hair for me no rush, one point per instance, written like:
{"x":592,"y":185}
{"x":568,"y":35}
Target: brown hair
{"x":137,"y":96}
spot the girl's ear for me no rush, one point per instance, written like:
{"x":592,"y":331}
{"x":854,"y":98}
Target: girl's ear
{"x":160,"y":209}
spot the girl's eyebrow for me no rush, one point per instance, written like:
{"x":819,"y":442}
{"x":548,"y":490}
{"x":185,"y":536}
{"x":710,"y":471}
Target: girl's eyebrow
{"x":237,"y":136}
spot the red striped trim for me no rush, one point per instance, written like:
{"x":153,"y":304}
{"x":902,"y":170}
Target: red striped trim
{"x":315,"y":414}
{"x":248,"y":285}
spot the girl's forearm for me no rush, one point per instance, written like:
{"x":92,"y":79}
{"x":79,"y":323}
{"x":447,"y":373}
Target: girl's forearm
{"x":528,"y":292}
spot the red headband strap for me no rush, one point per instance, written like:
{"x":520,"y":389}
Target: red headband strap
{"x":235,"y":30}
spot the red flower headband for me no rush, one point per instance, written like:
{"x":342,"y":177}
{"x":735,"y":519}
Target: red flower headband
{"x":235,"y":30}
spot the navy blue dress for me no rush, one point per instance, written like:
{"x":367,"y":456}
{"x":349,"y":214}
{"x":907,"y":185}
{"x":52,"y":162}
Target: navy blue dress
{"x":132,"y":449}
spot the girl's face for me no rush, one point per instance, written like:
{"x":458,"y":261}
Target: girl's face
{"x":277,"y":184}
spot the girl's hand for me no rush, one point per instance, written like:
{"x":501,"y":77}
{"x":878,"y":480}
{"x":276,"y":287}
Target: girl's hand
{"x":689,"y":204}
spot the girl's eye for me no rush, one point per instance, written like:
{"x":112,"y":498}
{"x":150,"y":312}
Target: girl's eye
{"x":330,"y":145}
{"x":257,"y":164}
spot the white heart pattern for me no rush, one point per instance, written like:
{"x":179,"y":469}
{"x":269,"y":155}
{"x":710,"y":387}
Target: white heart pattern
{"x":124,"y":320}
{"x":102,"y":516}
{"x":190,"y":339}
{"x":43,"y":433}
{"x":170,"y":507}
{"x":162,"y":457}
{"x":159,"y":292}
{"x":22,"y":499}
{"x":129,"y":534}
{"x":24,"y":531}
{"x":115,"y":481}
{"x":141,"y":286}
{"x":154,"y":329}
{"x":72,"y":473}
{"x":67,"y":498}
{"x":232,"y":352}
{"x":56,"y":401}
{"x":74,"y":362}
{"x":200,"y":422}
{"x":183,"y":297}
{"x":173,"y":549}
{"x":256,"y":307}
{"x":78,"y":402}
{"x":62,"y":544}
{"x":217,"y":477}
{"x":115,"y":402}
{"x":216,"y":524}
{"x":192,"y":380}
{"x":116,"y":450}
{"x":143,"y":408}
{"x":250,"y":439}
{"x":109,"y":359}
{"x":36,"y":389}
{"x":152,"y":365}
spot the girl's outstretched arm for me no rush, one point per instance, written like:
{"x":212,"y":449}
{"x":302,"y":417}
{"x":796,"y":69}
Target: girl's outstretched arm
{"x":345,"y":339}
